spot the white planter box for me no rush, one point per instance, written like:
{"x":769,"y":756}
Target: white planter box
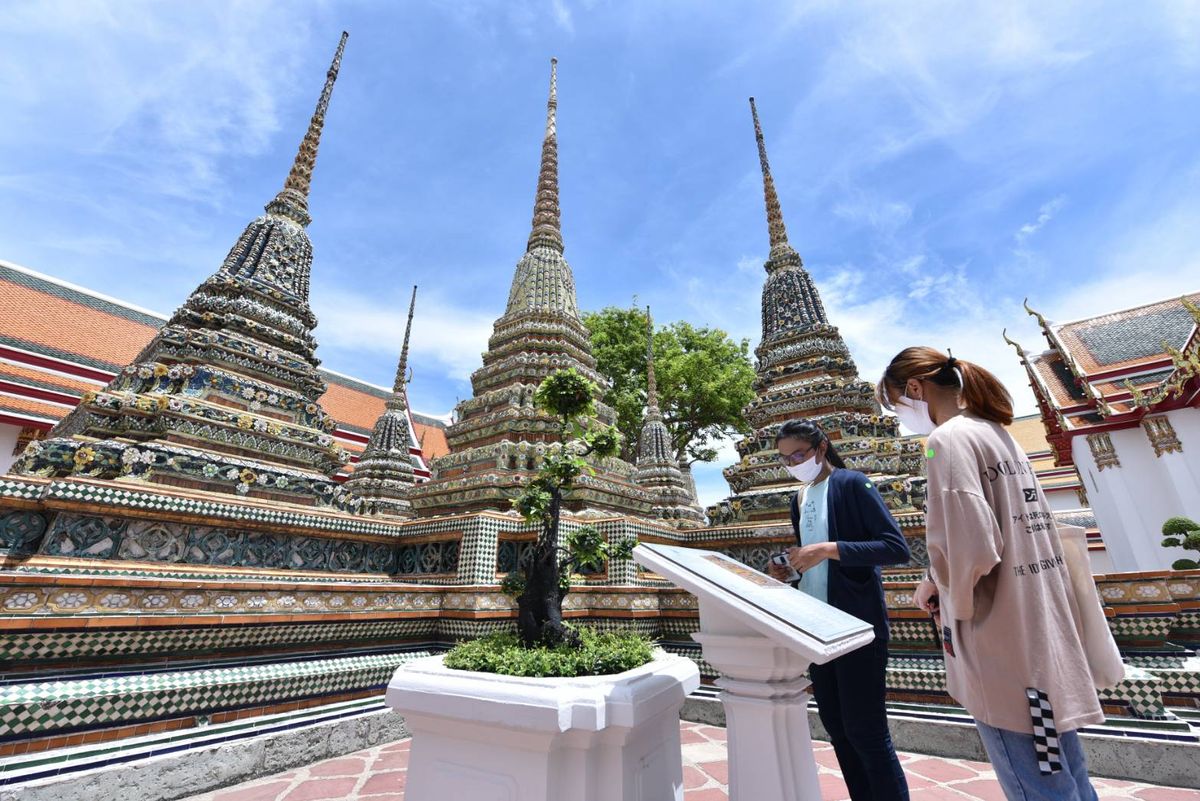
{"x":484,"y":737}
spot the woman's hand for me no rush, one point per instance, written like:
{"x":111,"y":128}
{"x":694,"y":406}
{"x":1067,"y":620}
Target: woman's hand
{"x":926,"y":596}
{"x":810,"y":556}
{"x":777,"y":572}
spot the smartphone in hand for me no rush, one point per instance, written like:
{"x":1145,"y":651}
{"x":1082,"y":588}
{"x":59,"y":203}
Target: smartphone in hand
{"x":781,"y":560}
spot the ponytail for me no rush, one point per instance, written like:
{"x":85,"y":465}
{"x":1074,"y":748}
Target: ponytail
{"x":810,"y":432}
{"x":979,"y":391}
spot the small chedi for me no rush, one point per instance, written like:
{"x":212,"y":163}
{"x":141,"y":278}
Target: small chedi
{"x":657,"y":469}
{"x":805,"y":370}
{"x":384,"y":475}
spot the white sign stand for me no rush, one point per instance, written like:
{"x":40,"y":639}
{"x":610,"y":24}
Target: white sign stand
{"x":761,"y":635}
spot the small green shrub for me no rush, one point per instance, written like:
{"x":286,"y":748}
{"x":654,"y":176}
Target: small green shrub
{"x":1182,"y":532}
{"x":599,"y":654}
{"x":1176,"y":526}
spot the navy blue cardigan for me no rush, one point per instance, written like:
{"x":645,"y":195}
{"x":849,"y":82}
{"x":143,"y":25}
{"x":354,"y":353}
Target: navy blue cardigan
{"x":867,"y":537}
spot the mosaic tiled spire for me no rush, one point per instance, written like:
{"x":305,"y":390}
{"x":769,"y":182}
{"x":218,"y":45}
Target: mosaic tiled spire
{"x":789,"y":295}
{"x":292,"y":200}
{"x":543,"y":279}
{"x":226,"y":395}
{"x":805,"y":370}
{"x":499,"y":437}
{"x":657,"y":470}
{"x":546,"y":228}
{"x":384,"y":477}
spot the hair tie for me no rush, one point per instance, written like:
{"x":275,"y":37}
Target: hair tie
{"x":951,"y":365}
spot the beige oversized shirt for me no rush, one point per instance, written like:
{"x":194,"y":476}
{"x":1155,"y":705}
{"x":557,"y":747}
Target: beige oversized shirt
{"x":1005,"y":593}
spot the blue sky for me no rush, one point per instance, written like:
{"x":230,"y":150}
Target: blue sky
{"x":936,"y":162}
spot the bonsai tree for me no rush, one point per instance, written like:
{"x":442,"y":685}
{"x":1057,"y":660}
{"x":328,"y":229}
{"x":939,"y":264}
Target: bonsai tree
{"x":543,"y":579}
{"x":1181,"y":532}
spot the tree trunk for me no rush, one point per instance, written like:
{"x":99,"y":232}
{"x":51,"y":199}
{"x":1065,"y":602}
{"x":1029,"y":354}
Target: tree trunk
{"x":539,"y":607}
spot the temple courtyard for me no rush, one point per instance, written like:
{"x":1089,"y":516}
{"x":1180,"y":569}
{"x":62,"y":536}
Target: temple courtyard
{"x":378,"y":774}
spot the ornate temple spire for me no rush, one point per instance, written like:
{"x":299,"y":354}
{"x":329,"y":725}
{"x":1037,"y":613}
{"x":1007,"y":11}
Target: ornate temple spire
{"x":546,"y":228}
{"x":383,"y":478}
{"x":782,"y":252}
{"x":790,"y":301}
{"x":652,"y":410}
{"x":292,"y":200}
{"x":657,"y":469}
{"x":399,"y":389}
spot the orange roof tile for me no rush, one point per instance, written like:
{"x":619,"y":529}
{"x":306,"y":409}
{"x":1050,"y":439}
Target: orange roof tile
{"x":43,"y":319}
{"x":40,"y":314}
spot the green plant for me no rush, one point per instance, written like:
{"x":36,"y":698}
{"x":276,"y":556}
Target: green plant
{"x":597,"y":654}
{"x":543,"y":580}
{"x":1182,"y":532}
{"x":705,"y":380}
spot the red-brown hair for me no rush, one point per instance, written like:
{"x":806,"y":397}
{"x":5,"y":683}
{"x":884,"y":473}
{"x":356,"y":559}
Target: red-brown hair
{"x":980,"y":392}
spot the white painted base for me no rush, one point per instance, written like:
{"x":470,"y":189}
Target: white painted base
{"x":766,"y":712}
{"x":485,"y":737}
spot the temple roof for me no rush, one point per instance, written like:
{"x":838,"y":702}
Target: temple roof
{"x":1101,"y":369}
{"x":59,"y":340}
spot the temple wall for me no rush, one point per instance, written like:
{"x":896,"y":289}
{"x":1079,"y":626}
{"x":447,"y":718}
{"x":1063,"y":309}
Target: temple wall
{"x":1132,"y":499}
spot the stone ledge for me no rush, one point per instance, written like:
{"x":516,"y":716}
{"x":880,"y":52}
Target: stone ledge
{"x":189,"y":772}
{"x":1116,"y":756}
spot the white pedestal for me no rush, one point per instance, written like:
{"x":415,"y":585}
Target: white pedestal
{"x":761,"y":636}
{"x":766,"y":715}
{"x":485,"y":737}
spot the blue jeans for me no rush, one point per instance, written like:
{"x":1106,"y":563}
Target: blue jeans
{"x":1016,"y":765}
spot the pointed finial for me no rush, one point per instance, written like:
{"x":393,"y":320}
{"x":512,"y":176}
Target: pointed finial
{"x":1019,"y":349}
{"x":402,"y":373}
{"x":546,"y":228}
{"x":651,"y":382}
{"x":775,"y":226}
{"x":293,"y":199}
{"x":1041,"y":320}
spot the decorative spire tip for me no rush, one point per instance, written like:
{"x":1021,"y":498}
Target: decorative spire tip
{"x":293,"y":199}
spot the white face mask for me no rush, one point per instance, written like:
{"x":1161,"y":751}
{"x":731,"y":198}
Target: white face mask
{"x":806,"y":471}
{"x":914,"y":415}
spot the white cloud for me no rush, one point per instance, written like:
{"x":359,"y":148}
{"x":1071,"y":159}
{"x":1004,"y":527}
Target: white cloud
{"x":1045,"y":214}
{"x":199,"y":84}
{"x":886,"y":216}
{"x":452,"y":336}
{"x":562,"y":15}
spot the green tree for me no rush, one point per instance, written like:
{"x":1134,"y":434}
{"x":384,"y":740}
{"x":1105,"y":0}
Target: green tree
{"x":705,"y":379}
{"x":1182,"y":532}
{"x":543,"y":580}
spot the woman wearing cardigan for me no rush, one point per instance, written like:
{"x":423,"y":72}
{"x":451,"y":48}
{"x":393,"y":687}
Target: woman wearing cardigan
{"x":845,"y":533}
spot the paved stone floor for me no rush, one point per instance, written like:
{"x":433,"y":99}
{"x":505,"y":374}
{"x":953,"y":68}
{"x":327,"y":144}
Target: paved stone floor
{"x":377,"y":774}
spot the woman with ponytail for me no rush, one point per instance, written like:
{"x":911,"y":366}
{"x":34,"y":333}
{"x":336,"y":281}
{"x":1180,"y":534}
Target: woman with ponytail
{"x":998,"y":584}
{"x":844,"y":533}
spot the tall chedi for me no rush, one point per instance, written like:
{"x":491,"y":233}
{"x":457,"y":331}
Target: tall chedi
{"x":499,"y":436}
{"x":383,"y":478}
{"x":805,"y":370}
{"x":226,"y":396}
{"x":657,"y":470}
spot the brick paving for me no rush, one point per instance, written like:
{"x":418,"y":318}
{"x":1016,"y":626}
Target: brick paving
{"x":377,"y":774}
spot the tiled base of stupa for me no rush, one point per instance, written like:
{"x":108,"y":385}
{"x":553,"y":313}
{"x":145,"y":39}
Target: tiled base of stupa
{"x":130,"y":612}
